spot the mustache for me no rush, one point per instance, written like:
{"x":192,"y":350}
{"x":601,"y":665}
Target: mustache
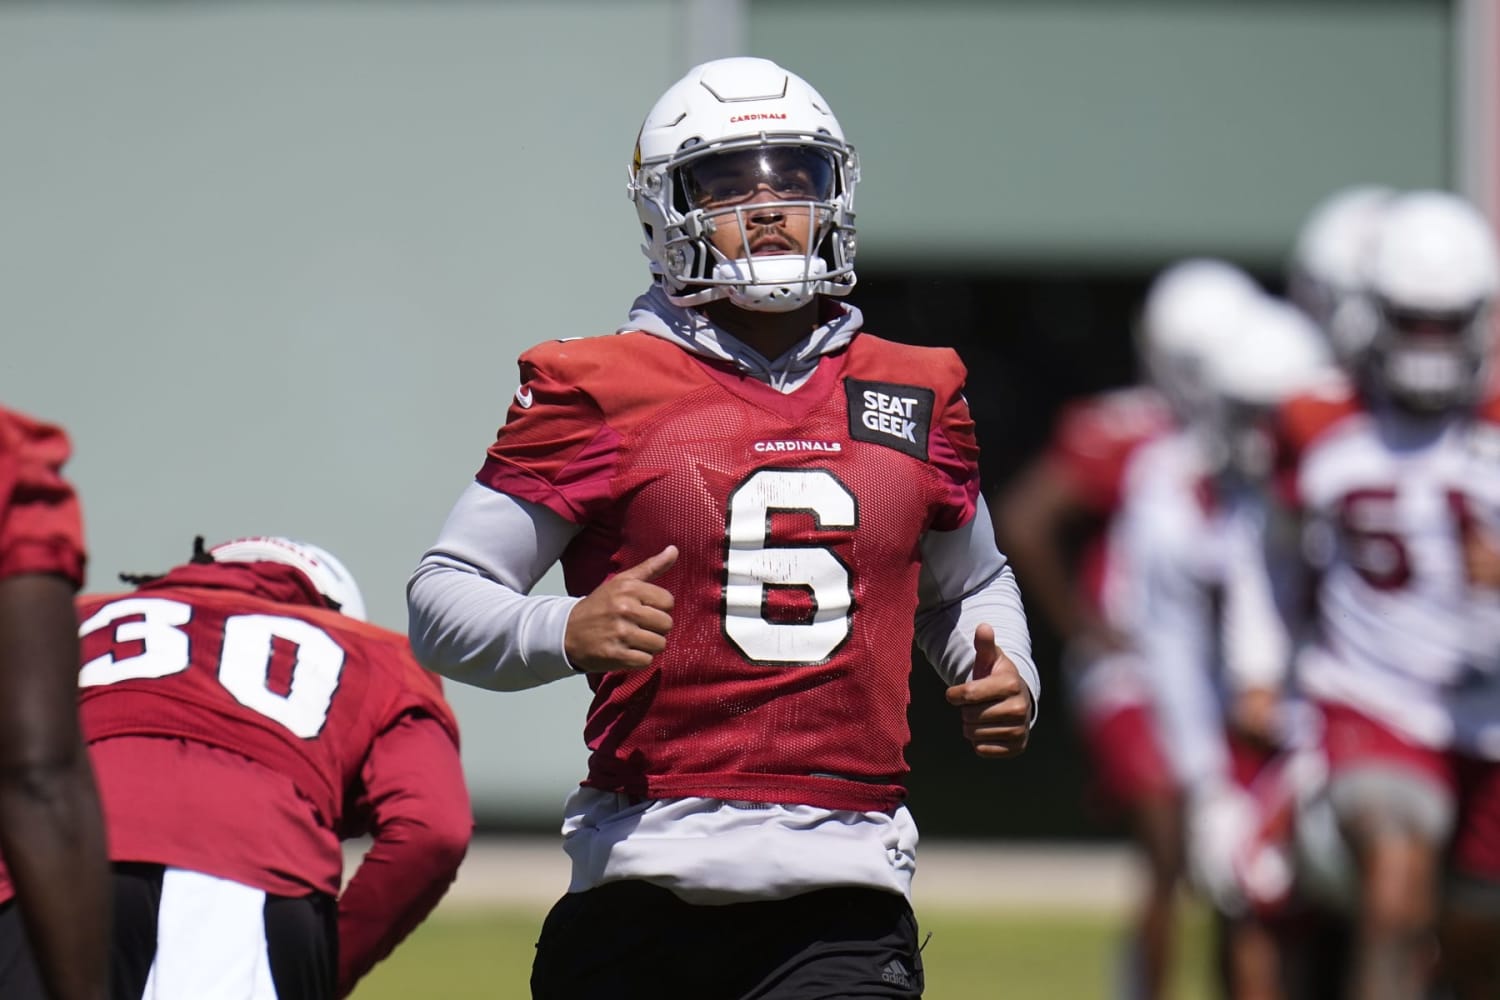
{"x":768,"y":232}
{"x":776,"y":234}
{"x":778,"y":237}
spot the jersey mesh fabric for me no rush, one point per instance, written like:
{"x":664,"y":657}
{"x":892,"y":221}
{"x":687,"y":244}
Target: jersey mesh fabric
{"x":41,"y":529}
{"x":754,"y":699}
{"x":378,"y":683}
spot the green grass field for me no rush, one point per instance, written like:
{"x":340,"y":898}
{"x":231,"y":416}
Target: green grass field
{"x":460,"y":955}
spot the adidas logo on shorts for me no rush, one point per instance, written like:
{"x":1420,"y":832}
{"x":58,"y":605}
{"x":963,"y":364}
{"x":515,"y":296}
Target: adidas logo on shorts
{"x":896,"y":974}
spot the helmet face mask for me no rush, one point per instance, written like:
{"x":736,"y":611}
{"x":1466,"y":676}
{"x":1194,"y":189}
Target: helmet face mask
{"x":1430,"y":277}
{"x":1324,"y":270}
{"x":1273,"y":352}
{"x":744,"y":187}
{"x":1236,"y":436}
{"x":1428,"y":361}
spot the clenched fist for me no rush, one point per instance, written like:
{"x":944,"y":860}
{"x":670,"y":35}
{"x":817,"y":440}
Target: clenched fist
{"x":995,"y":703}
{"x":623,"y":624}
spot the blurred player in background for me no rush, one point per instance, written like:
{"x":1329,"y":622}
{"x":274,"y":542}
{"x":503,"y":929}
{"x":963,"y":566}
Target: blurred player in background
{"x":1396,"y":480}
{"x":50,"y":826}
{"x":757,"y":507}
{"x":1201,"y":619}
{"x":243,"y":720}
{"x":1053,"y":521}
{"x":1325,"y":269}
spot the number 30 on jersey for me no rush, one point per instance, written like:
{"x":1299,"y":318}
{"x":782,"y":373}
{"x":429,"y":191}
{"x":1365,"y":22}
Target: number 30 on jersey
{"x":150,"y":641}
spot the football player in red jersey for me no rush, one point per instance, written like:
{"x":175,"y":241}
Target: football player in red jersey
{"x":758,"y":507}
{"x":243,"y":720}
{"x":50,"y":825}
{"x":1053,"y":519}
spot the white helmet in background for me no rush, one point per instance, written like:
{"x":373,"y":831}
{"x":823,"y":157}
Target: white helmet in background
{"x":1189,"y":310}
{"x":1430,"y":277}
{"x":1274,"y":352}
{"x":1328,"y":256}
{"x":327,"y":575}
{"x":730,"y":126}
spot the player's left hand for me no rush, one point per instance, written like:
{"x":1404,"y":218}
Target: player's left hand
{"x":995,"y":703}
{"x":1255,"y":714}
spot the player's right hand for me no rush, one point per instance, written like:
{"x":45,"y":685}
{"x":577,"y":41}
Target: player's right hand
{"x":623,"y":624}
{"x":1482,"y":558}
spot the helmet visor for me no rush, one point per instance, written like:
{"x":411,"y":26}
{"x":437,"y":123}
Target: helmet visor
{"x":790,"y":173}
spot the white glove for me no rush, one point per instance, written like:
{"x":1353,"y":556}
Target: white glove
{"x":1221,"y":821}
{"x":1237,"y":858}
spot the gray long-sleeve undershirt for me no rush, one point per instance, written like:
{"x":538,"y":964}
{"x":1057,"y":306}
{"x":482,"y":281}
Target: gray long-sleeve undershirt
{"x":473,"y":617}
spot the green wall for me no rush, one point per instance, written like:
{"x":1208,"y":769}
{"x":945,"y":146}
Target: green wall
{"x":1095,"y":133}
{"x":272,"y":263}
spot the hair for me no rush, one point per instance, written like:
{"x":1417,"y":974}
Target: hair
{"x":200,"y":555}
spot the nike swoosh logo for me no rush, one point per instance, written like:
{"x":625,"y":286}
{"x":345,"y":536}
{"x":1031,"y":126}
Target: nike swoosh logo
{"x":524,"y":397}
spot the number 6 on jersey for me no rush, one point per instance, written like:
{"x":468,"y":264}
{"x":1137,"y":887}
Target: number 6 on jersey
{"x":753,"y":566}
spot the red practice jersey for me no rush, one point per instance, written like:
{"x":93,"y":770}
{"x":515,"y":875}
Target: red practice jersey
{"x":797,"y":518}
{"x":263,"y":704}
{"x":1090,"y":448}
{"x":40,"y":527}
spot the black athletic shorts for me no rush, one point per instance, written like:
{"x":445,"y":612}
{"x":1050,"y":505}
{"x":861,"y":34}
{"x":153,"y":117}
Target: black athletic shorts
{"x":18,"y":975}
{"x":629,"y":939}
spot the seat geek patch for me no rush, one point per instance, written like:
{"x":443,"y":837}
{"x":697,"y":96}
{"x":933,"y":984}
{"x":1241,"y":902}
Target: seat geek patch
{"x":897,"y":416}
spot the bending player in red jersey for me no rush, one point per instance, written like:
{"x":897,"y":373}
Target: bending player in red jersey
{"x":50,"y":826}
{"x":243,"y":721}
{"x":757,"y":507}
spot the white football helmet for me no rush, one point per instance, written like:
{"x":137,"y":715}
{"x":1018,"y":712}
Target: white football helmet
{"x":1189,"y":310}
{"x":1273,"y":352}
{"x":1326,"y":260}
{"x":714,"y":140}
{"x":1430,"y":276}
{"x":327,"y":575}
